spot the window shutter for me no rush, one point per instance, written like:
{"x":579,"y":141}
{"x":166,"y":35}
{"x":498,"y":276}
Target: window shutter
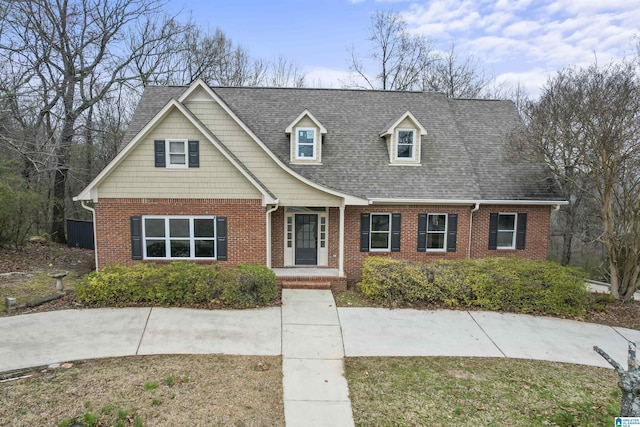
{"x":493,"y":231}
{"x":422,"y":232}
{"x":221,"y":238}
{"x":452,"y":232}
{"x":159,"y":153}
{"x":136,"y":237}
{"x":365,"y":223}
{"x":194,"y":154}
{"x":521,"y":233}
{"x":395,"y":232}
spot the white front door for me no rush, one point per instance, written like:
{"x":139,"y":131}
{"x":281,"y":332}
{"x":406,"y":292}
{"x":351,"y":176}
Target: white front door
{"x":306,"y":233}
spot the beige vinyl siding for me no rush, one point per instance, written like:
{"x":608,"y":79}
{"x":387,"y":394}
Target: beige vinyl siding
{"x":288,"y":189}
{"x":306,"y":122}
{"x":136,"y":176}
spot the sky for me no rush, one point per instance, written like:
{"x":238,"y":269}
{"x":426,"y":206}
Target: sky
{"x":516,"y":41}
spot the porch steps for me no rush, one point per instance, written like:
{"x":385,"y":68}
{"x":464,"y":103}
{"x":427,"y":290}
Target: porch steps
{"x":306,"y":284}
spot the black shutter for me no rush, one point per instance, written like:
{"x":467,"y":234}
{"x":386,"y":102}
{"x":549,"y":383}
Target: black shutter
{"x":194,"y":154}
{"x":521,"y":230}
{"x":136,"y":237}
{"x":493,"y":231}
{"x":422,"y":232}
{"x":452,"y":232}
{"x":365,"y":223}
{"x":395,"y":232}
{"x":160,"y":156}
{"x":221,"y":238}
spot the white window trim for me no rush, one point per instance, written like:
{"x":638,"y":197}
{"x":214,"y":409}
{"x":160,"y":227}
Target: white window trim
{"x":170,"y":165}
{"x":414,"y":146}
{"x":315,"y":143}
{"x":388,"y":248}
{"x":515,"y":230}
{"x":192,"y":239}
{"x":446,"y":232}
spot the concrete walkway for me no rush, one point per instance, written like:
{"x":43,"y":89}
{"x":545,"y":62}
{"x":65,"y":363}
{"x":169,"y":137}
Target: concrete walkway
{"x":315,"y":389}
{"x":311,"y":334}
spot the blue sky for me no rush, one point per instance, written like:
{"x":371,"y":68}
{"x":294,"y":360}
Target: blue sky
{"x":516,"y":40}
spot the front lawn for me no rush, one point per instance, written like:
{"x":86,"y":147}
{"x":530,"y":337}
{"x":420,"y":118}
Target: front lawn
{"x":457,"y":391}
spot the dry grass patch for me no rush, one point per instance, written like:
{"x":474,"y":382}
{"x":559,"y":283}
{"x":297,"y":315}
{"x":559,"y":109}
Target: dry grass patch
{"x":439,"y":391}
{"x":156,"y":390}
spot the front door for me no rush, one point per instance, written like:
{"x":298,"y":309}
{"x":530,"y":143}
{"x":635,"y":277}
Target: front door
{"x":306,"y":239}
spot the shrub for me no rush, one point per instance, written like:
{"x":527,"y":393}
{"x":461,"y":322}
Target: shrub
{"x":249,"y":285}
{"x":509,"y":284}
{"x":178,"y":283}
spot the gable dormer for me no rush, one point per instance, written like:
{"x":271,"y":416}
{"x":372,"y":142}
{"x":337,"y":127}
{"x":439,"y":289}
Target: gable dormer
{"x":403,"y":137}
{"x":305,"y":139}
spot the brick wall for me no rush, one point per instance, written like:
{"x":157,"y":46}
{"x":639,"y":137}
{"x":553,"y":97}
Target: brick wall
{"x":277,"y":238}
{"x":246,"y":238}
{"x":537,"y":238}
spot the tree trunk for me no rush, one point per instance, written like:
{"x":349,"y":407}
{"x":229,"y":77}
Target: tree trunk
{"x":58,"y":211}
{"x":629,"y":381}
{"x":567,"y":238}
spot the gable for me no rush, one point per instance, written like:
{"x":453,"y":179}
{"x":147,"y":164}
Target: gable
{"x":136,"y":175}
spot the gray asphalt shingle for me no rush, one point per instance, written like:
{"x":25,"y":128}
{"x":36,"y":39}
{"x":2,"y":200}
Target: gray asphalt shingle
{"x":465,"y":155}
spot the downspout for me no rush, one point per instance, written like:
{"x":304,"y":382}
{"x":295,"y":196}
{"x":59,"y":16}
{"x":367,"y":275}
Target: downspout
{"x":269,"y":211}
{"x":475,"y":209}
{"x":95,"y":238}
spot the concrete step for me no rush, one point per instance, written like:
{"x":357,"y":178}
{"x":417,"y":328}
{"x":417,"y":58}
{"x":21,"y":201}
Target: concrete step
{"x":305,"y":285}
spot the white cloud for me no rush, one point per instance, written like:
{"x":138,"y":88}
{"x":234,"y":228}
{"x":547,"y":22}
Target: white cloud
{"x":331,"y":78}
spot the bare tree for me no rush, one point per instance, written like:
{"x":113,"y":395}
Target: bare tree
{"x":69,"y":55}
{"x":456,"y":77}
{"x":399,"y":57}
{"x":629,"y":382}
{"x":587,"y":127}
{"x":283,"y":73}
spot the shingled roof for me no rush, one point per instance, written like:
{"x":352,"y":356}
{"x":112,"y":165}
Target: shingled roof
{"x":464,"y":156}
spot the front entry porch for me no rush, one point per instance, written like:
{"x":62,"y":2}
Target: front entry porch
{"x":310,"y":278}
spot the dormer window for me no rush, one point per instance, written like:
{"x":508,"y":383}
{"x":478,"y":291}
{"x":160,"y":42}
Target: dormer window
{"x":406,"y":144}
{"x":305,"y":144}
{"x":305,"y":139}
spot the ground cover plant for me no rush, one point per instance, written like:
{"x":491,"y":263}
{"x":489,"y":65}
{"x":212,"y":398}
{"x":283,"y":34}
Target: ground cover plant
{"x":179,"y":284}
{"x":446,"y":391}
{"x":504,"y":284}
{"x":207,"y":390}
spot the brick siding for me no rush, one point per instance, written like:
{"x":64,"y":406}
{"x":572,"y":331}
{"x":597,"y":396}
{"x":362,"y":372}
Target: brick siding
{"x":246,"y":238}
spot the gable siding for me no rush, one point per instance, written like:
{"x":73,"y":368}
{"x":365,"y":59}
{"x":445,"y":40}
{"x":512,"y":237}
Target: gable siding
{"x":137,"y":176}
{"x":289,"y":190}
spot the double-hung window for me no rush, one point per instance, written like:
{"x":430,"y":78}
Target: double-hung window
{"x":380,"y":232}
{"x":436,"y":232}
{"x":177,"y":153}
{"x":179,"y":237}
{"x":406,"y":144}
{"x":305,"y":144}
{"x":506,"y":231}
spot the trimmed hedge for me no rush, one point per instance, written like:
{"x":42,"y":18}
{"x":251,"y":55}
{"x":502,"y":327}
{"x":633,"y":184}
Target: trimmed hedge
{"x":507,"y":284}
{"x":178,"y":284}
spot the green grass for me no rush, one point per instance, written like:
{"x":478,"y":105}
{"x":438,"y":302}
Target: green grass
{"x":439,"y":391}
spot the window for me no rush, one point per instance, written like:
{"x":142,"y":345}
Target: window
{"x":177,"y":153}
{"x":305,"y":144}
{"x":506,"y":231}
{"x":380,"y":232}
{"x":406,"y":149}
{"x":436,"y":232}
{"x":179,"y":237}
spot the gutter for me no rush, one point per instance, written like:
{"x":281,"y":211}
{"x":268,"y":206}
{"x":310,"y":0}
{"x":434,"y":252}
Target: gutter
{"x":475,"y":209}
{"x":95,"y":238}
{"x":468,"y":202}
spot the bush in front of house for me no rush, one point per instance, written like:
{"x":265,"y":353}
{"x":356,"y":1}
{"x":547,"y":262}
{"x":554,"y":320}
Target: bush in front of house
{"x":177,"y":284}
{"x":507,"y":284}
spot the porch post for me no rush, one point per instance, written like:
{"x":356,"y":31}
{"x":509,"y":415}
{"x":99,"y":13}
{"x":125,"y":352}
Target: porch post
{"x":341,"y":242}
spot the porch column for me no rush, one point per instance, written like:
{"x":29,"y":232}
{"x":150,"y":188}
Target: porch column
{"x":341,"y":243}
